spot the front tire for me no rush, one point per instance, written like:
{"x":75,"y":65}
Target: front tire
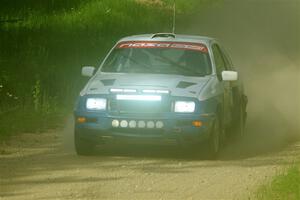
{"x":83,"y":147}
{"x":239,"y":127}
{"x":214,"y":142}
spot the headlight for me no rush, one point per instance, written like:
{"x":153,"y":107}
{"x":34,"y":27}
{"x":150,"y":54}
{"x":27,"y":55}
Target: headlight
{"x":185,"y":106}
{"x":96,"y":104}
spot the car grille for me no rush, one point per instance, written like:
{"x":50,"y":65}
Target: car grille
{"x":147,"y":107}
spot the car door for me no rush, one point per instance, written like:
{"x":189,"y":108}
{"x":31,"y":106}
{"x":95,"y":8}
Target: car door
{"x":236,"y":89}
{"x":227,"y":96}
{"x":229,"y":66}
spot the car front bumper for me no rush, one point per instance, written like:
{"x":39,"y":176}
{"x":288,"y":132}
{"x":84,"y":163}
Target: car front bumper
{"x":177,"y":128}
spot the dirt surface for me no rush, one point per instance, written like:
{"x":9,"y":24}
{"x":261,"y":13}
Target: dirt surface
{"x":265,"y":46}
{"x":44,"y":166}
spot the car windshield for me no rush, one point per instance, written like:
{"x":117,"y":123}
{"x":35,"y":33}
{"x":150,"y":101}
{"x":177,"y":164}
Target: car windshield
{"x":188,"y":59}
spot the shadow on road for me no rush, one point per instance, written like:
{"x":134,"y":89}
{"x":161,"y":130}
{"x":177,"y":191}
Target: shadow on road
{"x":263,"y":136}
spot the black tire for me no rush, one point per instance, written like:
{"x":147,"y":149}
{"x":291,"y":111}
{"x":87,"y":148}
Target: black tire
{"x":83,"y":147}
{"x":239,"y":126}
{"x":214,"y":143}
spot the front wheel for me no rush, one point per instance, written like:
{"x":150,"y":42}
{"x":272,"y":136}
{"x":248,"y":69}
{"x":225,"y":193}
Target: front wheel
{"x":83,"y":147}
{"x":214,"y":142}
{"x":239,"y":127}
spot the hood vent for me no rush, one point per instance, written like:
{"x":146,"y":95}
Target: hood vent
{"x":184,"y":84}
{"x":108,"y":82}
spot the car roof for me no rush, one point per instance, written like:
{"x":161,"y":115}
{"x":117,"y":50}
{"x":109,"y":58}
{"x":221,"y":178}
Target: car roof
{"x":168,"y":37}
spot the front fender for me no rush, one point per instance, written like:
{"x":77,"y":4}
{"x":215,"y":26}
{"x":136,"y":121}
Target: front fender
{"x":211,"y":105}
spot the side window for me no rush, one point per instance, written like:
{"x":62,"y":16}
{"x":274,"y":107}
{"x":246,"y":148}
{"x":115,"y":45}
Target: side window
{"x":219,"y":60}
{"x":229,"y":65}
{"x":227,"y":61}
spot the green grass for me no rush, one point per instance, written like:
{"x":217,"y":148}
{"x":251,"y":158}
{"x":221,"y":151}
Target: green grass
{"x":285,"y":186}
{"x":113,"y":17}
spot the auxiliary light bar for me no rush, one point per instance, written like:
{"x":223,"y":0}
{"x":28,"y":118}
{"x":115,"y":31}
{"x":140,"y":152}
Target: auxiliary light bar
{"x":139,"y":97}
{"x":157,"y":91}
{"x":115,"y":90}
{"x":148,"y":91}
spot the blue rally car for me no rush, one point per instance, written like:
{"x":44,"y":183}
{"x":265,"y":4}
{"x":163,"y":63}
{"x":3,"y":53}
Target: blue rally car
{"x":161,"y":88}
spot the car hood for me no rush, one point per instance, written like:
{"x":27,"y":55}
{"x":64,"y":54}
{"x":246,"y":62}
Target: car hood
{"x":178,"y":85}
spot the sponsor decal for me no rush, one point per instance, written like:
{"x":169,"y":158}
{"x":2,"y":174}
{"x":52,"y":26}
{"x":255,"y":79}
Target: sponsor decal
{"x":171,"y":45}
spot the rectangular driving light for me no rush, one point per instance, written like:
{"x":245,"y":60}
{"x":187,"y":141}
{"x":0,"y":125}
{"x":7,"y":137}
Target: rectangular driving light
{"x":139,"y":97}
{"x":115,"y":90}
{"x":156,"y":91}
{"x":118,"y":90}
{"x":129,"y":91}
{"x":162,"y":91}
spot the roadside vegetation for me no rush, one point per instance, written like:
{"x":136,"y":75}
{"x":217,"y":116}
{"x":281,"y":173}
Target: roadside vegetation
{"x":283,"y":186}
{"x":45,"y":43}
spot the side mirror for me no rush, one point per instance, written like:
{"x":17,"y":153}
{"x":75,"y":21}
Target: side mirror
{"x":88,"y":71}
{"x":229,"y":76}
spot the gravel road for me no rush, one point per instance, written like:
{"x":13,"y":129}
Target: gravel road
{"x":44,"y":166}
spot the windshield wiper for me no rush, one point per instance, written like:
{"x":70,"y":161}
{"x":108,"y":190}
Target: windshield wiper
{"x":120,"y":55}
{"x":185,"y":71}
{"x":135,"y":61}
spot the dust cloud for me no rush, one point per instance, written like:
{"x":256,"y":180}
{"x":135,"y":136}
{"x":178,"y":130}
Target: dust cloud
{"x":68,"y":135}
{"x":263,"y":38}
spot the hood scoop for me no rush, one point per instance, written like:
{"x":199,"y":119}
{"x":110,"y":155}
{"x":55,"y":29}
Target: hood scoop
{"x":108,"y":82}
{"x":184,"y":84}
